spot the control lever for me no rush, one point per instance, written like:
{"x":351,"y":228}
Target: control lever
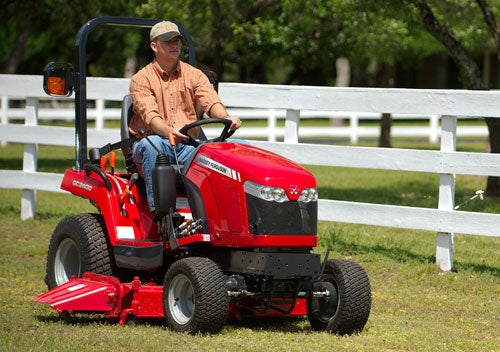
{"x":171,"y":139}
{"x":127,"y":194}
{"x":103,"y":162}
{"x":128,"y":189}
{"x":112,"y":162}
{"x":142,"y":133}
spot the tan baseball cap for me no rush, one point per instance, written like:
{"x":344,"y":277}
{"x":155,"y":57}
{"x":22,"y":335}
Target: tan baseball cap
{"x":166,"y":29}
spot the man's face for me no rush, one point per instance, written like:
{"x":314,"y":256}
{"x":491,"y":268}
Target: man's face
{"x":167,"y":50}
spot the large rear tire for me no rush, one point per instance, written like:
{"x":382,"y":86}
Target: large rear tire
{"x":79,"y":244}
{"x":195,"y":296}
{"x":346,"y":309}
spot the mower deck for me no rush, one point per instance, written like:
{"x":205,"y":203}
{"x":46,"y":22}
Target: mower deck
{"x":94,"y":293}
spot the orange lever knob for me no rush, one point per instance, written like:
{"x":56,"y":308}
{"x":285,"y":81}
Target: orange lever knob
{"x":171,"y":139}
{"x":112,"y":159}
{"x":104,"y":160}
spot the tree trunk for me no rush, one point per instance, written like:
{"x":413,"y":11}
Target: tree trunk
{"x":17,"y":52}
{"x":131,"y":62}
{"x":493,"y":183}
{"x":343,"y":79}
{"x":470,"y":68}
{"x":385,"y":79}
{"x":385,"y":131}
{"x":343,"y":69}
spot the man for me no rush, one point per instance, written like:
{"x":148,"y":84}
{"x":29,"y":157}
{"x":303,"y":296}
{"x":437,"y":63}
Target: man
{"x":166,"y":94}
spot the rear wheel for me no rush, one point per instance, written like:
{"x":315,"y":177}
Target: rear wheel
{"x":195,"y":296}
{"x":79,"y":244}
{"x":346,"y":307}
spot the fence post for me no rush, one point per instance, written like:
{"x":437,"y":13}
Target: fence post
{"x":3,"y":113}
{"x":271,"y":125}
{"x":99,"y":114}
{"x":444,"y":243}
{"x":30,"y":155}
{"x":434,"y":128}
{"x":354,"y":125}
{"x":292,"y":126}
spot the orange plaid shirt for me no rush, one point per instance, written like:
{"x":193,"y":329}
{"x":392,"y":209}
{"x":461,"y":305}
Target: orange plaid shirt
{"x":174,"y":98}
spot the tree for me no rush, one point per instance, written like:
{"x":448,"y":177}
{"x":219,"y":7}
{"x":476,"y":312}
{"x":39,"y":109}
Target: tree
{"x":222,"y":31}
{"x":472,"y":73}
{"x":37,"y":32}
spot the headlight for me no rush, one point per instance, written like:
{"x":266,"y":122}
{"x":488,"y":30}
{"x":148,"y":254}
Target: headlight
{"x":308,"y":195}
{"x":270,"y":194}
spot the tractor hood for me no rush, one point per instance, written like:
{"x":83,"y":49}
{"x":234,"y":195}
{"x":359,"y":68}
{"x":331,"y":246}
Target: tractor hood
{"x":252,"y":197}
{"x":243,"y":162}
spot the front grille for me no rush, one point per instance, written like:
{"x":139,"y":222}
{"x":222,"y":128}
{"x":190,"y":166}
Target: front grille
{"x":287,"y":218}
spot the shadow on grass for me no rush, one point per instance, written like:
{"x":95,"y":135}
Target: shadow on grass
{"x":399,"y":254}
{"x":283,"y":325}
{"x":77,"y":319}
{"x":477,"y":268}
{"x":417,"y":196}
{"x":10,"y":209}
{"x":11,"y":163}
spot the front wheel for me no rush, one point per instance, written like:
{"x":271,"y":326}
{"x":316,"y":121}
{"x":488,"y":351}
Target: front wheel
{"x":195,"y":296}
{"x":340,"y":301}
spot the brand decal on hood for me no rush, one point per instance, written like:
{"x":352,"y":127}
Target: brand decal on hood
{"x":218,"y":167}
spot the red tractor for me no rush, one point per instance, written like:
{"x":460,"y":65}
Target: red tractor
{"x":235,"y":237}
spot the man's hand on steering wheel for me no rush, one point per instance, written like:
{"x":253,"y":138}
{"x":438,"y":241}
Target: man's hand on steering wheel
{"x":226,"y":131}
{"x":179,"y":137}
{"x":235,"y":122}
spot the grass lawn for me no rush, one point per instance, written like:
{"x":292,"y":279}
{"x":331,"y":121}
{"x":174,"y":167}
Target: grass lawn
{"x":415,"y":307}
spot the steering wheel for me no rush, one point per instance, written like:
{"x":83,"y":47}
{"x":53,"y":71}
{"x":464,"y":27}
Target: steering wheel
{"x":225,"y":134}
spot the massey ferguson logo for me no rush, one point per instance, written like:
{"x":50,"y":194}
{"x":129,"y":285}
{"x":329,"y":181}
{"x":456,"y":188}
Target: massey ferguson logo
{"x":294,"y":189}
{"x":222,"y":169}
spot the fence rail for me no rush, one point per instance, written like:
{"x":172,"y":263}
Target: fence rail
{"x":55,"y":110}
{"x":296,"y":102}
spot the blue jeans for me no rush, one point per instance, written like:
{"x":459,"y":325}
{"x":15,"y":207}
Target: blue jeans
{"x":144,"y":157}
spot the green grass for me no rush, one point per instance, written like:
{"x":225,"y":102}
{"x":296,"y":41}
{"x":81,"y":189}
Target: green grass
{"x":415,"y":307}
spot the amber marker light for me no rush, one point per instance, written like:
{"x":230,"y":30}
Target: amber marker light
{"x":56,"y":85}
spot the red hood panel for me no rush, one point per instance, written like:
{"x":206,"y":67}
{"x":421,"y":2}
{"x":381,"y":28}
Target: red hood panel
{"x":258,"y":165}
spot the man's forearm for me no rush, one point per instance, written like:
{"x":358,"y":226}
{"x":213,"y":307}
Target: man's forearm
{"x":218,"y":110}
{"x":159,"y":126}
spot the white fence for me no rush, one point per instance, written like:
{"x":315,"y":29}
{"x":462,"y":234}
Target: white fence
{"x":55,"y":110}
{"x":297,"y":100}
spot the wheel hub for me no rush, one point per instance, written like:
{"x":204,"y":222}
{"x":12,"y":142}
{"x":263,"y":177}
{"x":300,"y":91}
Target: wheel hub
{"x":181,"y":299}
{"x":324,"y":300}
{"x":67,"y":261}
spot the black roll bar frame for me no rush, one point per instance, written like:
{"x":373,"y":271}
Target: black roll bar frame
{"x":80,"y":73}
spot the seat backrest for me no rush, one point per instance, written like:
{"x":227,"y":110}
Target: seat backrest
{"x":126,"y":116}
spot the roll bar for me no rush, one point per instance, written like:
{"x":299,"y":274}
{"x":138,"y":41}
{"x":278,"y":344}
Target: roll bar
{"x":80,"y":76}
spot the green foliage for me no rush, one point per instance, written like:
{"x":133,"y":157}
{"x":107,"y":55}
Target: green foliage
{"x":264,"y":41}
{"x":271,"y":41}
{"x":465,"y":19}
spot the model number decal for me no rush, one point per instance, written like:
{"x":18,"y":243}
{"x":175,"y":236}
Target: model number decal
{"x":218,"y":167}
{"x":80,"y":184}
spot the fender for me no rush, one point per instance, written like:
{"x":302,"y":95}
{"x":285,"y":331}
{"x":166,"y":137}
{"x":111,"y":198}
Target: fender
{"x":125,"y":220}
